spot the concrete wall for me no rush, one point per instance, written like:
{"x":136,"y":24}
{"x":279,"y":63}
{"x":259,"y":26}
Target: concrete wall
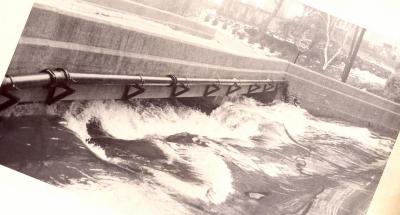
{"x":327,"y":97}
{"x":105,"y":46}
{"x":56,"y":38}
{"x":173,"y":20}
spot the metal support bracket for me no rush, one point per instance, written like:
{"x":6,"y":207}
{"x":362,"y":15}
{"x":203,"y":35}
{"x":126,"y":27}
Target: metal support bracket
{"x":175,"y":85}
{"x":51,"y":97}
{"x":127,"y":95}
{"x":268,"y":87}
{"x":139,"y":90}
{"x":174,"y":92}
{"x":253,"y":88}
{"x":12,"y":100}
{"x":208,"y":92}
{"x":235,"y":87}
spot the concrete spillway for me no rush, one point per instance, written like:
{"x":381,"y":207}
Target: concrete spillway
{"x":104,"y":41}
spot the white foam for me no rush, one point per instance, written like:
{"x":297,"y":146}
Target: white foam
{"x":213,"y":170}
{"x":210,"y":168}
{"x":298,"y":121}
{"x":77,"y":123}
{"x":238,"y":120}
{"x":363,"y":137}
{"x":125,"y":122}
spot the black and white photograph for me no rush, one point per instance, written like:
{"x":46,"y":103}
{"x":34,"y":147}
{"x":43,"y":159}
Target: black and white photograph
{"x":231,"y":107}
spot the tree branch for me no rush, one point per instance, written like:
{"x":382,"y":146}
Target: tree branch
{"x":329,"y":61}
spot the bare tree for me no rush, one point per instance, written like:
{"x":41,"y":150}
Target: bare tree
{"x":331,"y":25}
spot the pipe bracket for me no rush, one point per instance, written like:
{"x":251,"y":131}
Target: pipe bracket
{"x":268,"y":87}
{"x":175,"y":93}
{"x":253,"y":88}
{"x":12,"y":100}
{"x":208,"y":92}
{"x":235,"y":87}
{"x":127,"y":95}
{"x":175,"y":85}
{"x":56,"y":83}
{"x":139,"y":89}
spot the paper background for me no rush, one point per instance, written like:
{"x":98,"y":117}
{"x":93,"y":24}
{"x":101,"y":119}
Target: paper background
{"x":13,"y":15}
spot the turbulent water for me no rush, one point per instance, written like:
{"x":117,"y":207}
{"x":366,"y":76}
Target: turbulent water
{"x":242,"y":158}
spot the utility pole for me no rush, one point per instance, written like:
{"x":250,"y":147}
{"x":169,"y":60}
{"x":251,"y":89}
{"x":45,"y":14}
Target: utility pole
{"x":353,"y":54}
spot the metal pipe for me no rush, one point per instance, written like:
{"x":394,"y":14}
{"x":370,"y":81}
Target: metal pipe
{"x":27,"y":81}
{"x":86,"y":78}
{"x":43,"y":79}
{"x":223,"y":81}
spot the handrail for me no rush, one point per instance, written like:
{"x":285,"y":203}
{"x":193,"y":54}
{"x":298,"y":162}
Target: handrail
{"x":53,"y":79}
{"x":43,"y":79}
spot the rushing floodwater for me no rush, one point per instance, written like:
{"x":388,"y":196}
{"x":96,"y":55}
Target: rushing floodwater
{"x":243,"y":158}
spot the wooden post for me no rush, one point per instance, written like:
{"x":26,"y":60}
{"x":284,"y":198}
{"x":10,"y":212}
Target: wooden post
{"x":353,"y":56}
{"x":353,"y":43}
